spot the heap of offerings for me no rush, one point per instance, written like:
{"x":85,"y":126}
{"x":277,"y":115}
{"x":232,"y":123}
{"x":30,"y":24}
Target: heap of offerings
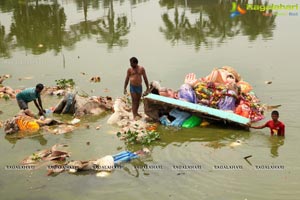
{"x":222,"y":95}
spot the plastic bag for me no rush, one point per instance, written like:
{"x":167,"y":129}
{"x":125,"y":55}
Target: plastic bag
{"x":192,"y":122}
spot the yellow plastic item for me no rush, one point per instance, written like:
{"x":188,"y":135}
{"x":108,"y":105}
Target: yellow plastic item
{"x":27,"y":124}
{"x":204,"y":124}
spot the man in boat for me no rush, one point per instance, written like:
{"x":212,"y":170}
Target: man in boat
{"x":276,"y":127}
{"x":28,"y":95}
{"x":135,"y":74}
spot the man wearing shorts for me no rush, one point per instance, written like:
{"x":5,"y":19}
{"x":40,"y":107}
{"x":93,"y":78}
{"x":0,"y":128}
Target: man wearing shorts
{"x":135,"y":75}
{"x":31,"y":94}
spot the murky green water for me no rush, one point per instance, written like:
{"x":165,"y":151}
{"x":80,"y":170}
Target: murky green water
{"x":49,"y":40}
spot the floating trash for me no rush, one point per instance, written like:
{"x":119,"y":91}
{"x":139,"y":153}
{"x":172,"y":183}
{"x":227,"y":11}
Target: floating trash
{"x":95,"y":79}
{"x":268,"y":82}
{"x":204,"y":124}
{"x":236,"y":143}
{"x":26,"y":78}
{"x":246,"y":158}
{"x":103,"y":174}
{"x":75,"y":121}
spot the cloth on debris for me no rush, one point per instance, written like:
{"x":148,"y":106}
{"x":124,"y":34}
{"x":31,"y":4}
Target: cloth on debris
{"x":26,"y":123}
{"x":228,"y":101}
{"x":180,"y":116}
{"x":187,"y":93}
{"x":23,"y":122}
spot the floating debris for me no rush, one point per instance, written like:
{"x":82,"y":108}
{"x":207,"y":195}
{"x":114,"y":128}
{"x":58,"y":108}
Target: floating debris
{"x":152,"y":127}
{"x":2,"y":78}
{"x":272,"y":107}
{"x":95,"y":79}
{"x":47,"y":155}
{"x":236,"y":143}
{"x":28,"y":78}
{"x":268,"y":82}
{"x":98,"y":127}
{"x":40,"y":45}
{"x":62,"y":129}
{"x":204,"y":124}
{"x":103,"y":174}
{"x":246,"y":158}
{"x":215,"y":144}
{"x":146,"y":150}
{"x":75,"y":121}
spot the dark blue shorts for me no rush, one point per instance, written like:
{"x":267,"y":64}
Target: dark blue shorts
{"x":136,"y":89}
{"x":22,"y":104}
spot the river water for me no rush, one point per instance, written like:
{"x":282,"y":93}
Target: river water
{"x":42,"y":41}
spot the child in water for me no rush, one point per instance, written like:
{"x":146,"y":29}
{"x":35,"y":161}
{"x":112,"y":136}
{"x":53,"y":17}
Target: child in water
{"x":276,"y":126}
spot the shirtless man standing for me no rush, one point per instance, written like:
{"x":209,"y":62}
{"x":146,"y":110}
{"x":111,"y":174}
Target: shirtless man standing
{"x":134,"y":75}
